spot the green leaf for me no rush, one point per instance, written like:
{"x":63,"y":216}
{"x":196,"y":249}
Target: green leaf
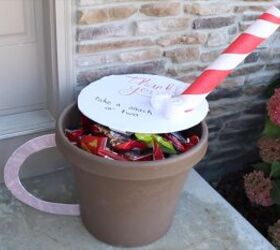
{"x":270,"y":89}
{"x":275,"y":192}
{"x":263,"y":166}
{"x":275,"y":170}
{"x":271,"y":130}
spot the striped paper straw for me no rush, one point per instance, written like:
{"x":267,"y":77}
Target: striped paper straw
{"x":214,"y":75}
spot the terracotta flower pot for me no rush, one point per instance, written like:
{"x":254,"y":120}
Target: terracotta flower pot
{"x":127,"y":203}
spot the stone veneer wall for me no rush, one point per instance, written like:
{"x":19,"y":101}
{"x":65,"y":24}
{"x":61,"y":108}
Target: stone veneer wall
{"x":179,"y":39}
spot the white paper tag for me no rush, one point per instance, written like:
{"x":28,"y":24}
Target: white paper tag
{"x":122,"y":102}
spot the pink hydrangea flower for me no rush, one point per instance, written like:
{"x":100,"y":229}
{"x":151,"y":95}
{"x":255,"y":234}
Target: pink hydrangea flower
{"x":274,"y":234}
{"x":258,"y":188}
{"x":273,"y":107}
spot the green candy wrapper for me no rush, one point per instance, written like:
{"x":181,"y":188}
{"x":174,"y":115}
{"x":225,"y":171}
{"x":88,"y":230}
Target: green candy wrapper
{"x":165,"y":145}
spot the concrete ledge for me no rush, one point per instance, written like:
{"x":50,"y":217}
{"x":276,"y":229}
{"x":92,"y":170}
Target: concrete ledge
{"x":204,"y":221}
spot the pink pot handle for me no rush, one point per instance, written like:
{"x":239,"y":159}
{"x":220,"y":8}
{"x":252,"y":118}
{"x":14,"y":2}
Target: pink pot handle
{"x":12,"y":181}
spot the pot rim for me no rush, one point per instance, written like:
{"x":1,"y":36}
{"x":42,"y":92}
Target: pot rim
{"x":127,"y":164}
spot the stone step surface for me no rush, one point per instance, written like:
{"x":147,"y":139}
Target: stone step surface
{"x":203,"y":221}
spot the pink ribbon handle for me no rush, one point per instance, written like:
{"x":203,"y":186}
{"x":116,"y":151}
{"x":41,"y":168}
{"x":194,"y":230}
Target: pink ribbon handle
{"x":13,"y":183}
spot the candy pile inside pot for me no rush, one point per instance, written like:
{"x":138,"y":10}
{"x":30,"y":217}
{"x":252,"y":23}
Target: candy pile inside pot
{"x":115,"y":145}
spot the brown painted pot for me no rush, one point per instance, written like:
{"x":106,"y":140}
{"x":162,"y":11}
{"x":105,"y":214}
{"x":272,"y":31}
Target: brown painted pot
{"x":127,"y":203}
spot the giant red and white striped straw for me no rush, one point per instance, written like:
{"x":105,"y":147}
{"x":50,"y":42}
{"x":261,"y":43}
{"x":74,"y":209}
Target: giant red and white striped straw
{"x":214,"y":75}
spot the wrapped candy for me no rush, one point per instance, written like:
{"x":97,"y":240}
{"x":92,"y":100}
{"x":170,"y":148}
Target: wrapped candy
{"x":164,"y":144}
{"x":98,"y":146}
{"x":115,"y":145}
{"x":148,"y":138}
{"x":194,"y":139}
{"x":92,"y":143}
{"x":74,"y":135}
{"x":99,"y":129}
{"x":136,"y":155}
{"x":181,"y":138}
{"x":106,"y":153}
{"x":176,"y":142}
{"x":130,"y":145}
{"x":157,"y":153}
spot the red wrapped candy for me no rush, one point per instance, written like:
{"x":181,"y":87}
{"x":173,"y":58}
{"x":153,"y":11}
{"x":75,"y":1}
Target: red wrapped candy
{"x":98,"y":145}
{"x":93,"y":143}
{"x":130,"y":145}
{"x":74,"y":135}
{"x":194,"y":139}
{"x":99,"y":129}
{"x":102,"y":141}
{"x":191,"y":142}
{"x":106,"y":153}
{"x":157,"y":153}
